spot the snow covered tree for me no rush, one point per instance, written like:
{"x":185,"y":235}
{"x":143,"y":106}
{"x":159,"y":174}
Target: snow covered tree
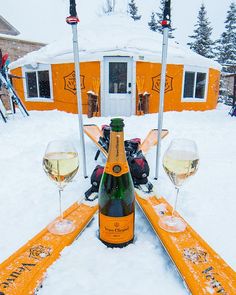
{"x":156,"y":19}
{"x":108,"y":7}
{"x":202,"y":43}
{"x":226,"y":45}
{"x":153,"y":24}
{"x":133,"y":10}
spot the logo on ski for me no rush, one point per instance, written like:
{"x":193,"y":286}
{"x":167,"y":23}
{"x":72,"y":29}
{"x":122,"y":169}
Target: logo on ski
{"x":195,"y":255}
{"x":211,"y":275}
{"x":156,"y":83}
{"x":39,"y":252}
{"x":70,"y":82}
{"x":16,"y":274}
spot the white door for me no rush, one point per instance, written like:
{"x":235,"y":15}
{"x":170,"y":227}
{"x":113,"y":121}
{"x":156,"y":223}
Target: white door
{"x":117,"y":94}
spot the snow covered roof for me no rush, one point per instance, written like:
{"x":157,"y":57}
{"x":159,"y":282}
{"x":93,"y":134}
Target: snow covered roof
{"x":116,"y":35}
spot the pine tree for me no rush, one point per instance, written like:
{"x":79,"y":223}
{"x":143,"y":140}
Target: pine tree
{"x":133,"y":10}
{"x":153,"y":24}
{"x":226,"y":45}
{"x":156,"y":19}
{"x":202,"y":43}
{"x":108,"y":6}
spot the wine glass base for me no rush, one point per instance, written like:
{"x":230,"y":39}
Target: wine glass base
{"x":172,"y":224}
{"x":61,"y":227}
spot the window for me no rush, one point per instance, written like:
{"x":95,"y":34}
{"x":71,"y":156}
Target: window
{"x":38,"y":83}
{"x":117,"y":77}
{"x":194,"y":85}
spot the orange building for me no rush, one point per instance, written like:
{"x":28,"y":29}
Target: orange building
{"x":120,"y":62}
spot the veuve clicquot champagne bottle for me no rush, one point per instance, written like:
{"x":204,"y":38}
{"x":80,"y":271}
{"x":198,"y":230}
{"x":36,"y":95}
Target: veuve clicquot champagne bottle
{"x":116,"y":193}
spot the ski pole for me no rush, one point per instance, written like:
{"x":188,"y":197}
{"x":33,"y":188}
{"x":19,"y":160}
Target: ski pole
{"x":73,"y":20}
{"x":165,"y":25}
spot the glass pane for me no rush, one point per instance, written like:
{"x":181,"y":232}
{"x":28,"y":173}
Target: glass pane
{"x":44,"y":85}
{"x":117,"y":77}
{"x":189,"y":84}
{"x":200,"y":85}
{"x":31,"y":84}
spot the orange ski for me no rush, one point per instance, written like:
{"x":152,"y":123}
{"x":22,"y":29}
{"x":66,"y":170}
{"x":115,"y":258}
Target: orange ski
{"x":202,"y":269}
{"x":151,"y":139}
{"x":94,"y":132}
{"x":23,"y":272}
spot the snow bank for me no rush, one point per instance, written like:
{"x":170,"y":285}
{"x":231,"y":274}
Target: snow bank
{"x":29,"y":201}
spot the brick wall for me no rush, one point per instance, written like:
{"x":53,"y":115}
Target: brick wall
{"x":17,"y":48}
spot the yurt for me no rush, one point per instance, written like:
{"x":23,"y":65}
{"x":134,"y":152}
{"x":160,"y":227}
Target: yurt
{"x":120,"y":68}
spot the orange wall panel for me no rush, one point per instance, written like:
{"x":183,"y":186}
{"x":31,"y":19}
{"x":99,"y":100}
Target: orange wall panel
{"x":148,"y":76}
{"x":213,"y":88}
{"x":18,"y":83}
{"x":64,"y":87}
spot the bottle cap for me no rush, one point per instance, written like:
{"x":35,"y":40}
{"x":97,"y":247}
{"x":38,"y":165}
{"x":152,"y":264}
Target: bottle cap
{"x":117,"y":124}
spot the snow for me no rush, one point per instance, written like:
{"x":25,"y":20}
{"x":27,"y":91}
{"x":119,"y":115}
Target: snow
{"x":34,"y":18}
{"x":29,"y":201}
{"x":108,"y":35}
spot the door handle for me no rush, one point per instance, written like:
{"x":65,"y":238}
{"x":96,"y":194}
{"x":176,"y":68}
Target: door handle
{"x":129,"y":84}
{"x":129,"y":92}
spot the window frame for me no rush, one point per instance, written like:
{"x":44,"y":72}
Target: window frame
{"x":38,"y":68}
{"x":195,"y":70}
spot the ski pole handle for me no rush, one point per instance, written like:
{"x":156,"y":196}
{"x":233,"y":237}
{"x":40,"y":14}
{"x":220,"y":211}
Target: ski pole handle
{"x":72,"y":19}
{"x":73,"y":8}
{"x":166,"y":14}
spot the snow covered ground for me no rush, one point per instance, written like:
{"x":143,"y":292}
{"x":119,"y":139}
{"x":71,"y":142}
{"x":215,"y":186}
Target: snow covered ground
{"x":29,"y":201}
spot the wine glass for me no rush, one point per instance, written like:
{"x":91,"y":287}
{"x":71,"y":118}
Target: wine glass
{"x":61,"y":163}
{"x":180,"y":161}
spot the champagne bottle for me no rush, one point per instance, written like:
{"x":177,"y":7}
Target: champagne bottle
{"x":116,"y":196}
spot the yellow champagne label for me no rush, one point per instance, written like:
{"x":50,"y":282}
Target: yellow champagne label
{"x":116,"y":230}
{"x":116,"y":169}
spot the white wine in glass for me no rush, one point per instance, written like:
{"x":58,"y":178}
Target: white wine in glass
{"x":61,"y":163}
{"x":180,"y":161}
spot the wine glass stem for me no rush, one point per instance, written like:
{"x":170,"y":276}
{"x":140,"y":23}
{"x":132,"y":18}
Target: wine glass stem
{"x":60,"y":209}
{"x":176,"y":200}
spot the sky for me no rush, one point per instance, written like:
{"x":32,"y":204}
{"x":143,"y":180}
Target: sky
{"x":185,"y":14}
{"x":43,"y":20}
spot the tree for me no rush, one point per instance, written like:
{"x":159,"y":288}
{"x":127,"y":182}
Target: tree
{"x":226,"y":45}
{"x":202,"y":43}
{"x":153,"y":24}
{"x":133,"y":10}
{"x":156,"y":19}
{"x":108,"y":6}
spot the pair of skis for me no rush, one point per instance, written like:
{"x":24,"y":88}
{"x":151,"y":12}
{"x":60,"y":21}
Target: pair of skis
{"x":202,"y":269}
{"x":23,"y":272}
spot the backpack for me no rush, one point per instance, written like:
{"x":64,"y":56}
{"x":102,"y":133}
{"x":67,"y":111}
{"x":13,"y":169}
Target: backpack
{"x":95,"y":181}
{"x":139,"y":170}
